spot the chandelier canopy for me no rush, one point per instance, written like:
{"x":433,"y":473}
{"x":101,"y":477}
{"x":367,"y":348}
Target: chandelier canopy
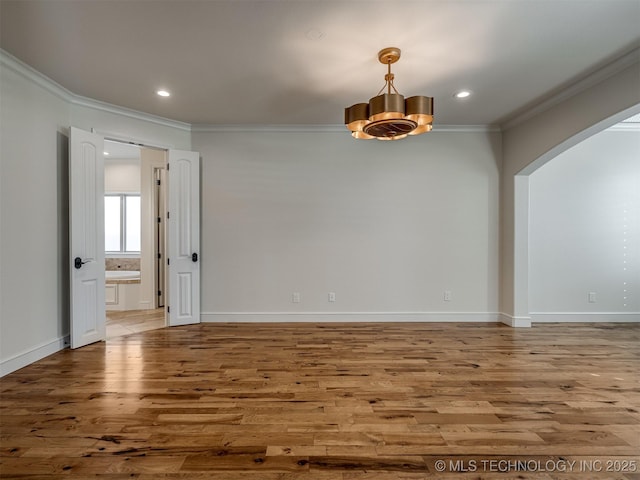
{"x":388,"y":116}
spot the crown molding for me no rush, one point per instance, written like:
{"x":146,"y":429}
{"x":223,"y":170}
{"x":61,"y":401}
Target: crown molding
{"x":128,"y":112}
{"x":12,"y":63}
{"x":9,"y":61}
{"x":624,"y":127}
{"x":467,"y":128}
{"x":608,"y":70}
{"x":254,"y":128}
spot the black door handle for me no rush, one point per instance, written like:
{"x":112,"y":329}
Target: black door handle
{"x":194,"y":257}
{"x":77,"y":262}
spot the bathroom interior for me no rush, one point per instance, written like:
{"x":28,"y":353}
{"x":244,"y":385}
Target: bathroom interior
{"x":135,"y":238}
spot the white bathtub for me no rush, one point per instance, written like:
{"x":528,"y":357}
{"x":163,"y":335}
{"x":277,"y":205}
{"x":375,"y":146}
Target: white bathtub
{"x":122,"y":275}
{"x":122,"y":290}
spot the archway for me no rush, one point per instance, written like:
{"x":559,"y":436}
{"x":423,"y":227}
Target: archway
{"x":521,"y":273}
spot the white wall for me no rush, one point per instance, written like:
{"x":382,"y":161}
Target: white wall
{"x":585,"y":230}
{"x":34,"y":226}
{"x":122,"y":175}
{"x":387,"y":226}
{"x":34,"y":259}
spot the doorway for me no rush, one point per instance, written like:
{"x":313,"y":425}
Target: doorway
{"x":135,"y":237}
{"x":87,"y":235}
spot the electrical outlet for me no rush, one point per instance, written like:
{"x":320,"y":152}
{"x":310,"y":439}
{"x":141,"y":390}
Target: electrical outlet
{"x":332,"y":296}
{"x":592,"y":297}
{"x":447,"y":295}
{"x":295,"y":297}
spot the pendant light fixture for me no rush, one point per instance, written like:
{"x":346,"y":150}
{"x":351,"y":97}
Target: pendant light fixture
{"x":388,"y":116}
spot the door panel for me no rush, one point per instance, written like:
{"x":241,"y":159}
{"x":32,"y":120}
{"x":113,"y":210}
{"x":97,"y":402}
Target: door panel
{"x":86,"y":237}
{"x":184,"y":237}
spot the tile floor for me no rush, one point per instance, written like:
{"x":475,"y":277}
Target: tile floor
{"x":121,"y":323}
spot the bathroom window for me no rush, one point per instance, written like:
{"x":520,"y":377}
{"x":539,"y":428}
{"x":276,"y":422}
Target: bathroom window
{"x":122,"y":223}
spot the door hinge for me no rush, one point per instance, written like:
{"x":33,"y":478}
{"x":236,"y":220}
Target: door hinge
{"x":167,"y":261}
{"x":159,"y":219}
{"x":168,"y":309}
{"x":167,"y":214}
{"x":158,"y":182}
{"x":159,"y":255}
{"x":167,"y":166}
{"x":159,"y":293}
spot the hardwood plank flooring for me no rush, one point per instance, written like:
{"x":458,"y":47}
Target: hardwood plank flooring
{"x":331,"y":402}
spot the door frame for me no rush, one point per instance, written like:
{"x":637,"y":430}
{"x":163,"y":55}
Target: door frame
{"x":150,"y":162}
{"x":118,"y":137}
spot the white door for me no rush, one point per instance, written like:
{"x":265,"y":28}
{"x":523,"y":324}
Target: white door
{"x":86,"y":237}
{"x":183,"y":226}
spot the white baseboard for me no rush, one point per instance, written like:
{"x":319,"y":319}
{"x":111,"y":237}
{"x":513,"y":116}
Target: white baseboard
{"x":33,"y":355}
{"x":516,"y":322}
{"x":321,"y":317}
{"x":585,"y":317}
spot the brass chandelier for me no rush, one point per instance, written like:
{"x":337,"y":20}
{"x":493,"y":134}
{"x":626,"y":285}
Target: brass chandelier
{"x":388,"y":116}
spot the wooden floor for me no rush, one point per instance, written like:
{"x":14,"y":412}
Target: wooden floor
{"x":331,"y":402}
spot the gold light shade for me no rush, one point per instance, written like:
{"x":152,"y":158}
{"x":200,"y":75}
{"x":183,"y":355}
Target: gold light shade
{"x":388,"y":116}
{"x":356,"y":116}
{"x":386,"y":107}
{"x":420,"y":109}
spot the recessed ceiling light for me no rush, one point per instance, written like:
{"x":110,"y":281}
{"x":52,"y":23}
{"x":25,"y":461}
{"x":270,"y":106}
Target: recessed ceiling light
{"x":163,"y":93}
{"x":462,"y":94}
{"x":106,"y":153}
{"x":314,"y":34}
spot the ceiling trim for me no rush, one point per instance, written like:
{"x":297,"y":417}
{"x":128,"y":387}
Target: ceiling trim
{"x":202,"y":128}
{"x":601,"y":74}
{"x":467,"y":128}
{"x":128,"y":112}
{"x":255,"y":128}
{"x":30,"y":73}
{"x":624,"y":127}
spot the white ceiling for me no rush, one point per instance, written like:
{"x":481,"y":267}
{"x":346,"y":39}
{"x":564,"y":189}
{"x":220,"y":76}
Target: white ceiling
{"x":302,"y":61}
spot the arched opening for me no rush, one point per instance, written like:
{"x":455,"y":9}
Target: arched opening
{"x":522,"y":209}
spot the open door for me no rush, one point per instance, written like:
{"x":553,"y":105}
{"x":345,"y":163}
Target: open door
{"x":86,"y":237}
{"x":183,"y":226}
